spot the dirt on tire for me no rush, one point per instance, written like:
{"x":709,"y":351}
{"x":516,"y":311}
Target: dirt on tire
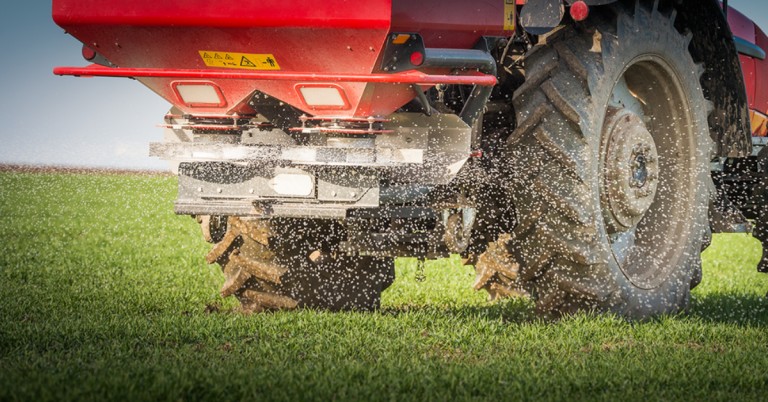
{"x":288,"y":264}
{"x":585,"y":239}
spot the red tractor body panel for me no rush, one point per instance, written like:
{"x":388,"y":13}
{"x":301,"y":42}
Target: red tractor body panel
{"x":755,"y":70}
{"x":335,"y":38}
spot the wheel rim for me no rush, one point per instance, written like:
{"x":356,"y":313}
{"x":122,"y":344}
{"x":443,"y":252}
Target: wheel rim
{"x":647,"y":169}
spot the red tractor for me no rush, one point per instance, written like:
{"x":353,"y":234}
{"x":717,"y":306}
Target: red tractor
{"x":580,"y":152}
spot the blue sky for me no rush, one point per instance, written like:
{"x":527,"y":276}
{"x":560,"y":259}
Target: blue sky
{"x":47,"y":119}
{"x":105,"y":122}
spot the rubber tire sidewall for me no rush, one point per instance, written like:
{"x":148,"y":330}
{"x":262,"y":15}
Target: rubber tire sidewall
{"x":619,"y":52}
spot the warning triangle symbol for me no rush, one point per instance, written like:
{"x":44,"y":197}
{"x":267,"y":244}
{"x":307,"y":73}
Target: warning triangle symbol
{"x":246,"y":63}
{"x":216,"y":56}
{"x":228,"y":57}
{"x":206,"y":56}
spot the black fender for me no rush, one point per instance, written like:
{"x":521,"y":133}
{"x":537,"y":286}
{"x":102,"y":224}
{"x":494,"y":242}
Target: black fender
{"x":723,"y":81}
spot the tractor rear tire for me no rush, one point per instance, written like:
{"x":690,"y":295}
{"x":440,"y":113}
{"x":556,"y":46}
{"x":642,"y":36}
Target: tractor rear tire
{"x":289,"y":264}
{"x":608,"y":167}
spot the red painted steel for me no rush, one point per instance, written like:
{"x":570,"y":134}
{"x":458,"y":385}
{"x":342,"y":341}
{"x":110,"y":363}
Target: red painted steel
{"x":761,"y":74}
{"x":750,"y":80}
{"x":312,"y":41}
{"x":741,"y":25}
{"x":329,"y":37}
{"x":454,"y":24}
{"x":409,"y":77}
{"x":755,"y":71}
{"x":326,"y":14}
{"x":337,"y":42}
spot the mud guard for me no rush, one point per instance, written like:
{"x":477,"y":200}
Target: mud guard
{"x":723,"y":81}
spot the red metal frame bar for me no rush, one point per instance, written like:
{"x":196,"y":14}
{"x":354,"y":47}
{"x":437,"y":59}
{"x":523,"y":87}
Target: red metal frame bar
{"x":409,"y":77}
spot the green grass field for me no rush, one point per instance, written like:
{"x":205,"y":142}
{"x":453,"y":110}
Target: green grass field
{"x":103,"y":296}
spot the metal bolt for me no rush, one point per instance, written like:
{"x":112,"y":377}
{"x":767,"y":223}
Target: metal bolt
{"x":251,"y":191}
{"x":200,"y":189}
{"x":353,"y":194}
{"x":333,"y":194}
{"x":218,"y":190}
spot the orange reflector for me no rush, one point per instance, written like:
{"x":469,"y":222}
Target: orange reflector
{"x":401,"y":39}
{"x":759,"y":124}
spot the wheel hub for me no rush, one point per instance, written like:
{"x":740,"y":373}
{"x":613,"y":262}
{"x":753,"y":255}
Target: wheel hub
{"x":631,"y":172}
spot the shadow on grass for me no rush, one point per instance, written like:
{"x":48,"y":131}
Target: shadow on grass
{"x":505,"y":311}
{"x":725,"y":308}
{"x":730,"y":308}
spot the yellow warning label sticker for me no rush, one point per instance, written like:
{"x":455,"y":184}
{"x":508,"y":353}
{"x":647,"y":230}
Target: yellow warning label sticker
{"x":248,"y":61}
{"x":509,"y":15}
